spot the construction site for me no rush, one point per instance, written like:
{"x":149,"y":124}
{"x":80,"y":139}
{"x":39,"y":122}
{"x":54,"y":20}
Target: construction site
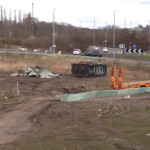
{"x":34,"y":117}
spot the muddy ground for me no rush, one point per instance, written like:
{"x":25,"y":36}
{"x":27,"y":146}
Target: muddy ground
{"x":32,"y":117}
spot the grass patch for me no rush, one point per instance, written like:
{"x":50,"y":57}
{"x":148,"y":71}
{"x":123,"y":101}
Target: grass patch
{"x":10,"y":98}
{"x":132,"y":128}
{"x":135,"y":56}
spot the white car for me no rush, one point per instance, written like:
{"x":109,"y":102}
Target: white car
{"x":35,"y":50}
{"x":105,"y":49}
{"x":23,"y":49}
{"x":77,"y":52}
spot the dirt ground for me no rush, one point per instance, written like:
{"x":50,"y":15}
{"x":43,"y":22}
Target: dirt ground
{"x":32,"y":117}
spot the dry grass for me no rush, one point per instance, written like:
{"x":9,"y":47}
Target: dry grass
{"x":58,"y":64}
{"x":11,"y":63}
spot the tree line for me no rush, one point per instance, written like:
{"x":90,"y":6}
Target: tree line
{"x":19,"y":31}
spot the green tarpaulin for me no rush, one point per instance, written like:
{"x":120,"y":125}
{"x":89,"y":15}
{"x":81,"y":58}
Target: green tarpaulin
{"x":37,"y":72}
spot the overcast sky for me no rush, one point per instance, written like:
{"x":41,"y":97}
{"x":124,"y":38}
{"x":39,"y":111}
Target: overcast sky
{"x":82,"y":12}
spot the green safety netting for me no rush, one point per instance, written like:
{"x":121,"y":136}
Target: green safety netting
{"x":102,"y":93}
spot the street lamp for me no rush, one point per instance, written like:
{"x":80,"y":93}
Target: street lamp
{"x":114,"y":34}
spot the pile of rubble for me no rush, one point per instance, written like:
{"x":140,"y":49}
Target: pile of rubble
{"x":37,"y":72}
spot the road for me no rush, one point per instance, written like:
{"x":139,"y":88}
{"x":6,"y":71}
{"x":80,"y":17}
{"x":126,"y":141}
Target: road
{"x":112,"y":54}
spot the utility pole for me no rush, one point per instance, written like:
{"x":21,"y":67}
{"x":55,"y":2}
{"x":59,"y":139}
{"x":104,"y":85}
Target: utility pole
{"x":114,"y":34}
{"x":54,"y":34}
{"x":32,"y":27}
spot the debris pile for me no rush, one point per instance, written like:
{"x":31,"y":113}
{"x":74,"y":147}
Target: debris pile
{"x":36,"y":72}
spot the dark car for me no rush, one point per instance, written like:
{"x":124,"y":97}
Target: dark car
{"x":94,"y":54}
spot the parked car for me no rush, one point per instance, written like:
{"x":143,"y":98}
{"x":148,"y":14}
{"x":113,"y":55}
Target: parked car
{"x":77,"y":52}
{"x":94,"y":53}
